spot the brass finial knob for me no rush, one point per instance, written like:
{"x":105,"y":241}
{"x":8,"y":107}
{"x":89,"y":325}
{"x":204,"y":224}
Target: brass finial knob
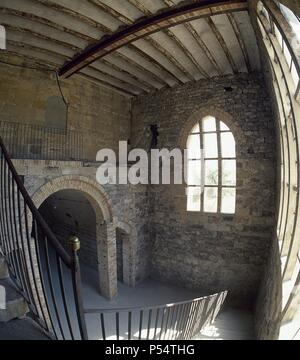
{"x":75,"y":243}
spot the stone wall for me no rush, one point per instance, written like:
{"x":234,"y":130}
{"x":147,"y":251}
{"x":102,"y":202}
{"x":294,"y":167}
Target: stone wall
{"x":69,"y":213}
{"x":129,"y":204}
{"x":212,"y":252}
{"x":100,"y":115}
{"x":269,"y":301}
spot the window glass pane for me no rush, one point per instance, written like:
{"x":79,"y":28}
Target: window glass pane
{"x":194,"y":172}
{"x":228,"y":201}
{"x":292,"y":19}
{"x":295,"y":75}
{"x":229,"y":172}
{"x":223,"y":127}
{"x":211,"y":199}
{"x":210,"y":146}
{"x":193,"y":199}
{"x":287,"y":54}
{"x":196,"y":129}
{"x":278,"y":35}
{"x":211,"y":172}
{"x":209,"y":124}
{"x":228,"y":145}
{"x":265,"y":12}
{"x":193,"y":147}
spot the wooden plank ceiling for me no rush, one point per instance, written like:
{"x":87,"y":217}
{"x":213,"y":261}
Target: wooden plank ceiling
{"x":204,"y":43}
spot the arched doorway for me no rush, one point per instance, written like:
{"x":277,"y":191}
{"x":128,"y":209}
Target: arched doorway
{"x":68,"y":213}
{"x":94,"y":201}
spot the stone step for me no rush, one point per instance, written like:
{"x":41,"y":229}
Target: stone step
{"x":12,"y":304}
{"x":21,"y":329}
{"x":3,"y":269}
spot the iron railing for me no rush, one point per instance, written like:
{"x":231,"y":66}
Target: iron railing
{"x":178,"y":321}
{"x":48,"y":277}
{"x":27,"y":141}
{"x":42,"y":270}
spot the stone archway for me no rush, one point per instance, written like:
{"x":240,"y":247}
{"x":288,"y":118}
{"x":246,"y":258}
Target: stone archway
{"x":105,"y":228}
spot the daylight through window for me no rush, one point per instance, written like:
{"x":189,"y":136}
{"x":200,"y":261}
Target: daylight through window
{"x":213,"y":142}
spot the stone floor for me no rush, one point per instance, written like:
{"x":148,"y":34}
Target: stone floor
{"x":231,"y":324}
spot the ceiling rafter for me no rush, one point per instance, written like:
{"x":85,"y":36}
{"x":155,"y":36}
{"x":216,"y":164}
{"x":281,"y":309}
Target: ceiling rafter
{"x":57,"y":27}
{"x":153,"y":61}
{"x":9,"y":26}
{"x":131,"y":79}
{"x":106,"y":84}
{"x":114,"y":81}
{"x":111,"y":11}
{"x":100,"y":26}
{"x":73,"y":13}
{"x":203,"y":46}
{"x":188,"y":53}
{"x":44,"y":65}
{"x":175,"y":39}
{"x":240,"y":40}
{"x":147,"y":26}
{"x":45,"y":21}
{"x":145,"y":86}
{"x":171,"y":58}
{"x":108,"y":31}
{"x":154,"y":43}
{"x":222,"y":42}
{"x":199,"y":41}
{"x":140,"y":7}
{"x":141,"y":68}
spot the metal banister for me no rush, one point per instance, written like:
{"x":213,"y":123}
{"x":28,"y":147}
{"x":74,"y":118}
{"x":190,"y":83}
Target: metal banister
{"x":38,"y":264}
{"x":59,"y":248}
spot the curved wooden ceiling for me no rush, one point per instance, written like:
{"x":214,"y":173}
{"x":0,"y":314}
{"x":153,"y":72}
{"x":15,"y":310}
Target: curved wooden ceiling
{"x":133,"y":46}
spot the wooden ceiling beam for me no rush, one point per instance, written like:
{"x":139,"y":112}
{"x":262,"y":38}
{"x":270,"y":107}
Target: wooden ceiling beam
{"x":150,"y":25}
{"x":109,"y":10}
{"x":240,"y":40}
{"x":222,"y":42}
{"x":55,"y":33}
{"x":189,"y":27}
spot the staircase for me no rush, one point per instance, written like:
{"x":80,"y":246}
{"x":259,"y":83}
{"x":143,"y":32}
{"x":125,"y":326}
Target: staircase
{"x":40,"y":278}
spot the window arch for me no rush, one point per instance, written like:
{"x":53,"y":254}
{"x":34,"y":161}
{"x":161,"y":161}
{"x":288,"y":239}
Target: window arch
{"x":211,"y":169}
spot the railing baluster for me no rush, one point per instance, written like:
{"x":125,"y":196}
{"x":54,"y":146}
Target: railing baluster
{"x":9,"y":235}
{"x":63,"y":291}
{"x":149,"y":323}
{"x":103,"y":326}
{"x":173,"y":308}
{"x":156,"y":322}
{"x":189,"y":319}
{"x":26,"y":141}
{"x":24,"y":266}
{"x":77,"y":290}
{"x":16,"y":242}
{"x":162,"y":323}
{"x":167,"y":321}
{"x":118,"y":325}
{"x":31,"y":263}
{"x":3,"y":213}
{"x":182,"y":320}
{"x":52,"y":292}
{"x":141,"y":324}
{"x":21,"y":248}
{"x":129,"y":325}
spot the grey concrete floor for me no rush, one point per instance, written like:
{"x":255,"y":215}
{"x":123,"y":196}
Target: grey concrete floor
{"x":231,"y":324}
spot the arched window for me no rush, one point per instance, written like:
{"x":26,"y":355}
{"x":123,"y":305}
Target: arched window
{"x":211,"y":170}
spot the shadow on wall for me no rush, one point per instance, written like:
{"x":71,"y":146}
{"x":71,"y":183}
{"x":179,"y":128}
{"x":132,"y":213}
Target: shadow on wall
{"x":69,"y":212}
